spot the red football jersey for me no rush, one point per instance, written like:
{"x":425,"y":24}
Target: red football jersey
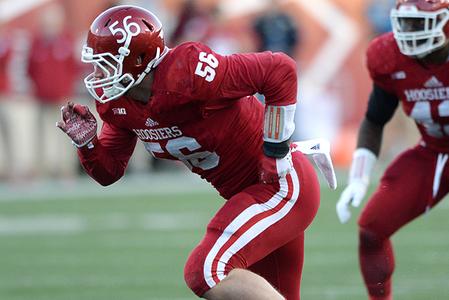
{"x":202,"y":112}
{"x":422,"y":89}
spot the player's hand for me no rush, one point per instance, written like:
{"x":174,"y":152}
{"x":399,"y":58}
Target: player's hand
{"x":272,"y":169}
{"x":363,"y":161}
{"x":352,"y":195}
{"x":78,"y":123}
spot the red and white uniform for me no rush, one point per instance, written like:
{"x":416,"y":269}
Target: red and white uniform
{"x":422,"y":90}
{"x":419,"y":177}
{"x":202,"y":113}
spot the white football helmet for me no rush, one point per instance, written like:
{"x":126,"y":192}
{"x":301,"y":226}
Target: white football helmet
{"x":420,"y":26}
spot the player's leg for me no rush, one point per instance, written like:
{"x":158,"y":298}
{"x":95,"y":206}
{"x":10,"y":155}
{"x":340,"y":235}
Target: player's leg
{"x":404,"y":193}
{"x":250,"y":226}
{"x":243,"y":284}
{"x":279,"y":273}
{"x":283,"y":268}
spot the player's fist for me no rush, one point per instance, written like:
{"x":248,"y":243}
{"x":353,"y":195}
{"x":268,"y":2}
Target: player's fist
{"x":271,"y":169}
{"x":352,"y":195}
{"x":78,"y":123}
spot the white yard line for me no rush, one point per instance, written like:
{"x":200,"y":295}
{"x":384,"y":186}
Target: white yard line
{"x":41,"y":225}
{"x":129,"y":186}
{"x":61,"y":224}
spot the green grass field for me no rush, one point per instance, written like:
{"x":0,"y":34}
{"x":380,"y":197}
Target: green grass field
{"x":54,"y":245}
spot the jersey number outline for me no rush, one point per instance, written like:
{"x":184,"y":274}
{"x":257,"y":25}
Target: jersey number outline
{"x":422,"y":114}
{"x":206,"y":66}
{"x":204,"y":160}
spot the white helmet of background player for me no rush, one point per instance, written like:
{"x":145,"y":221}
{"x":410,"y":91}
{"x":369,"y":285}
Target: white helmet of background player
{"x":420,"y":26}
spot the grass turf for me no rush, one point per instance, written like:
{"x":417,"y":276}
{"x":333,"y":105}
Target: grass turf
{"x":135,"y":248}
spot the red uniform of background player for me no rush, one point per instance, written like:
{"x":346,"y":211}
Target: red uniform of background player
{"x":194,"y":105}
{"x":410,"y":67}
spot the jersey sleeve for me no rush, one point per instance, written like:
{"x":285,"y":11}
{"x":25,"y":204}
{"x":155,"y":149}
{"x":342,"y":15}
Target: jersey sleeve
{"x":217,"y":77}
{"x":381,"y":60}
{"x":224,"y":78}
{"x":106,"y":159}
{"x":273,"y":75}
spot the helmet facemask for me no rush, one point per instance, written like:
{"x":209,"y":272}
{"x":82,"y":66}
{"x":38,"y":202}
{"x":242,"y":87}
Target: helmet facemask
{"x":112,"y":81}
{"x":419,"y":33}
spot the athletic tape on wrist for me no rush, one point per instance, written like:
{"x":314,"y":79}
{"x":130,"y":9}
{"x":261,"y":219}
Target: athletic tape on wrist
{"x":278,"y":123}
{"x":363,"y":161}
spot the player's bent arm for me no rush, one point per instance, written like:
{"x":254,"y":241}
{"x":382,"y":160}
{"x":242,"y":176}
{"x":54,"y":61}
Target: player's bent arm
{"x":271,"y":74}
{"x":216,"y":77}
{"x":235,"y":76}
{"x":381,"y":108}
{"x":105,"y":159}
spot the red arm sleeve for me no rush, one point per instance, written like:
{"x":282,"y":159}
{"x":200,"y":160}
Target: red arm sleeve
{"x":271,"y":74}
{"x":106,"y":162}
{"x":231,"y":77}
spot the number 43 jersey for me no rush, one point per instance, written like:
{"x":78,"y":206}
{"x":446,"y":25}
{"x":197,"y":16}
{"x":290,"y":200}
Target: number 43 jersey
{"x":422,"y":89}
{"x":202,"y":112}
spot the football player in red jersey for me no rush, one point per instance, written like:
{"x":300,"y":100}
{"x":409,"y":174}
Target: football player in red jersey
{"x":408,"y":66}
{"x":194,"y":105}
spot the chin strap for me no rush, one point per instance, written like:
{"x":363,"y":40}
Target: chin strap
{"x":153,"y":63}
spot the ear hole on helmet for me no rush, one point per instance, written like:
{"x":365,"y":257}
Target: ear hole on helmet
{"x":107,"y":23}
{"x":150,"y":27}
{"x":140,"y":59}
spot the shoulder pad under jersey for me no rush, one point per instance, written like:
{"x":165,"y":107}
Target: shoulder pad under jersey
{"x":382,"y":56}
{"x":182,"y":68}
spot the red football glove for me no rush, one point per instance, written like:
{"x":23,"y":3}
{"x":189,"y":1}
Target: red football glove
{"x":78,"y":123}
{"x":272,"y":169}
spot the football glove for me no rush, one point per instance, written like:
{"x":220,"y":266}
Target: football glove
{"x":272,"y":169}
{"x":319,"y":151}
{"x":78,"y":123}
{"x":359,"y":176}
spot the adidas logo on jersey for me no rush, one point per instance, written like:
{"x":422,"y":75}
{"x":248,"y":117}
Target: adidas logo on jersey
{"x":316,"y":147}
{"x":151,"y":123}
{"x":433,"y":82}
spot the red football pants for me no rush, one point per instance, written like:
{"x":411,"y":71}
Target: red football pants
{"x":260,"y":229}
{"x":404,"y":193}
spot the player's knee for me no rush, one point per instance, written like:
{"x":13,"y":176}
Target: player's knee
{"x":369,"y":238}
{"x":194,"y":274}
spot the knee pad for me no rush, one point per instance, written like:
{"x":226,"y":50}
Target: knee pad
{"x":370,"y":239}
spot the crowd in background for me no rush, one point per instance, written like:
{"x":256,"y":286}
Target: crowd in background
{"x":40,"y":70}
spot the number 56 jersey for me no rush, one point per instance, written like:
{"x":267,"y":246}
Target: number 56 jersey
{"x":202,"y":112}
{"x":422,"y":89}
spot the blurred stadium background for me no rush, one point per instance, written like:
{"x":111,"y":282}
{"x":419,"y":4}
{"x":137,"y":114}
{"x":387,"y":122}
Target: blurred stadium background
{"x":64,"y":237}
